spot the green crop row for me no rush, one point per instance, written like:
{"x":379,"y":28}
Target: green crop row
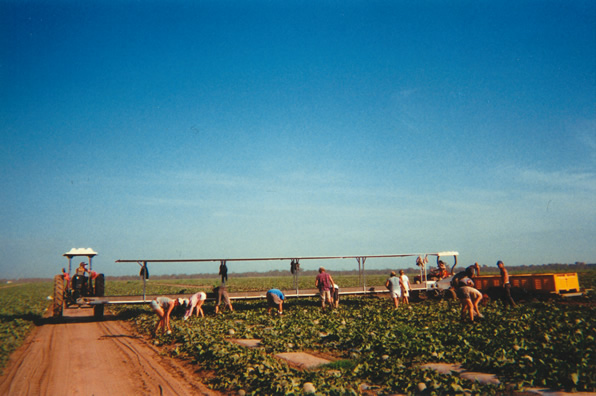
{"x":543,"y":344}
{"x":234,"y":284}
{"x":21,"y":307}
{"x":587,"y":280}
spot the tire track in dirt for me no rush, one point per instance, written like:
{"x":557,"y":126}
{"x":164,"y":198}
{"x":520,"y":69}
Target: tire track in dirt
{"x":82,"y":357}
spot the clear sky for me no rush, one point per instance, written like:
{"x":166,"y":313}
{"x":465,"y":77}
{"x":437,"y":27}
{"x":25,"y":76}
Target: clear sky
{"x":220,"y":129}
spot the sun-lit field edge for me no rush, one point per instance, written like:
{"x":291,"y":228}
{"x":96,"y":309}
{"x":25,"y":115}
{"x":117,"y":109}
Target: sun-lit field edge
{"x":21,"y":307}
{"x":538,"y":344}
{"x":423,"y":329}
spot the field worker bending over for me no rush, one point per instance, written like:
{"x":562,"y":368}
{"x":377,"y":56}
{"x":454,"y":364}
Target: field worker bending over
{"x":392,"y":284}
{"x":469,"y":297}
{"x":404,"y":284}
{"x":324,"y":282}
{"x":469,"y":272}
{"x":195,"y":302}
{"x":467,"y":294}
{"x":221,"y":293}
{"x":275,"y":299}
{"x":335,"y":295}
{"x":163,"y":307}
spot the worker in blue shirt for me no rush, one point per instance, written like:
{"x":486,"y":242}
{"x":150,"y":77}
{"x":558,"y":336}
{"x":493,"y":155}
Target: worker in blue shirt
{"x":275,"y":299}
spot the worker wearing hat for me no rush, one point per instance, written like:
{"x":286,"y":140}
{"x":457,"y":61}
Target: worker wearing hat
{"x":324,"y":282}
{"x":81,"y":269}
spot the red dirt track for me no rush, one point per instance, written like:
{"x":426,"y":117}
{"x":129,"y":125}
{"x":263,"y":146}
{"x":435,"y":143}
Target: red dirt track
{"x":80,"y":356}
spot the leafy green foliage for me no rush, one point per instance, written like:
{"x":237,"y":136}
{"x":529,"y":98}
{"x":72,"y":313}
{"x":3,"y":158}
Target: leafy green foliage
{"x":21,"y":306}
{"x":544,"y":343}
{"x":587,"y":279}
{"x":547,"y":344}
{"x":234,"y":284}
{"x":135,"y":288}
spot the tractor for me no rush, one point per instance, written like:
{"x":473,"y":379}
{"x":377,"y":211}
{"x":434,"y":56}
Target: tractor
{"x":74,"y":290}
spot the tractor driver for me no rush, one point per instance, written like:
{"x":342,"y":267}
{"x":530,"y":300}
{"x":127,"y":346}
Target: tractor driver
{"x":81,"y":269}
{"x":80,"y":279}
{"x":442,"y":271}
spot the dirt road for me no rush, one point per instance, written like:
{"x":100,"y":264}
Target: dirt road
{"x":84,"y":357}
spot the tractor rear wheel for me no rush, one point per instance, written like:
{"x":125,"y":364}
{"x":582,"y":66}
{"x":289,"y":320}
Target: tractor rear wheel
{"x":58,"y":296}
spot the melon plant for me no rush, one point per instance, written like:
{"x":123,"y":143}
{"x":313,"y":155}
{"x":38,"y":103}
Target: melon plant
{"x":546,"y":344}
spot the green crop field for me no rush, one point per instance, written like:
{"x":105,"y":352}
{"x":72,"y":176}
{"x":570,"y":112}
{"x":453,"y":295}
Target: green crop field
{"x":234,"y":284}
{"x":549,"y":343}
{"x":21,"y":306}
{"x":538,"y":344}
{"x":545,"y":344}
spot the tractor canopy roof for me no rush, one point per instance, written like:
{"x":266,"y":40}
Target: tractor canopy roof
{"x":88,"y":252}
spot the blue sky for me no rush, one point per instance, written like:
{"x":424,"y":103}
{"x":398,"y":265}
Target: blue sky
{"x":211,"y":129}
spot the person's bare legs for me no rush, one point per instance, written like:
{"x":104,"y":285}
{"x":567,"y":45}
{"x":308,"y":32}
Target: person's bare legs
{"x":467,"y":308}
{"x":330,"y":300}
{"x":475,"y":304}
{"x":199,"y":309}
{"x":160,"y":313}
